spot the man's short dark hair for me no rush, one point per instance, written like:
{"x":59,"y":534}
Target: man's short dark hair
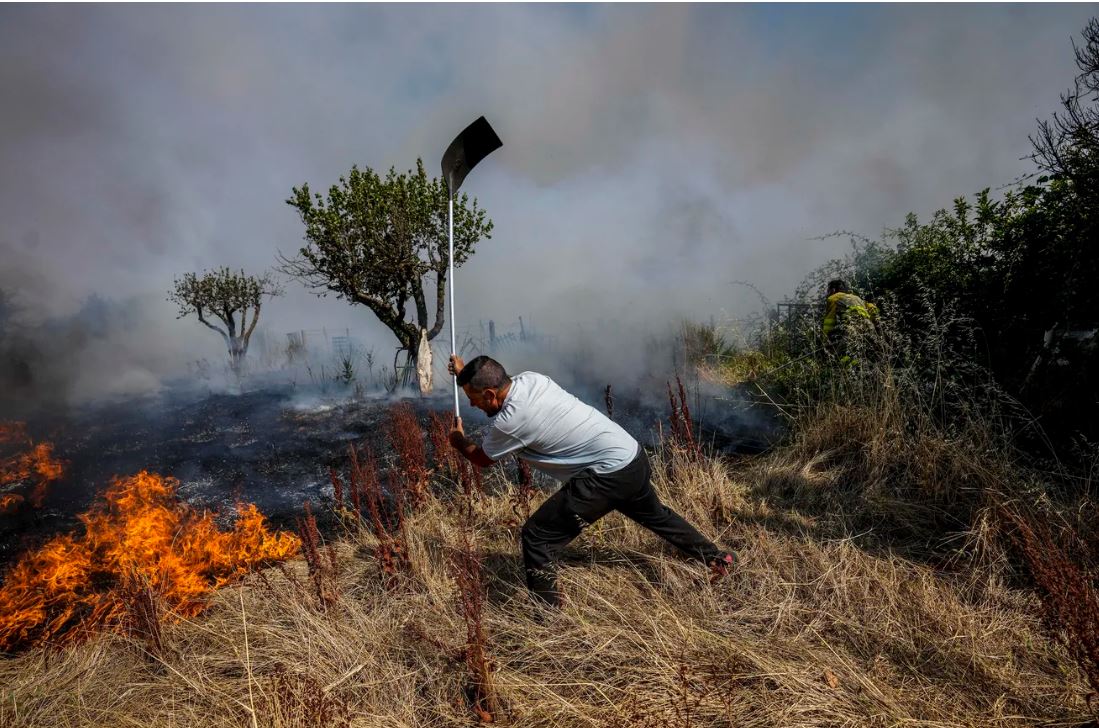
{"x":483,"y":373}
{"x":837,"y":286}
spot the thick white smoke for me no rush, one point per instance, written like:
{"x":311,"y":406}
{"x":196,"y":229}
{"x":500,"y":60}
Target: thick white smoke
{"x":652,"y":154}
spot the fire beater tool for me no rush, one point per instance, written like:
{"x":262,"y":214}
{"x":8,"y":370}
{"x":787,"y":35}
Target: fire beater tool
{"x":476,"y":142}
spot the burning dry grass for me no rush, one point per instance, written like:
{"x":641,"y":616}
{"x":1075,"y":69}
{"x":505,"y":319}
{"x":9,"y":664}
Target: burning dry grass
{"x":141,"y":553}
{"x":809,"y":630}
{"x":24,"y":460}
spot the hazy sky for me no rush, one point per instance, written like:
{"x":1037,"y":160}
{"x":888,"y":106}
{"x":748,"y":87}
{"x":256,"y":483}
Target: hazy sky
{"x":652,"y":154}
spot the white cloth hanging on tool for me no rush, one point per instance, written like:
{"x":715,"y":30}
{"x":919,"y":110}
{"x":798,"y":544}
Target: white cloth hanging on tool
{"x":423,"y":364}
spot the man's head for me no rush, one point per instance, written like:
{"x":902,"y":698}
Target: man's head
{"x":485,"y":383}
{"x":837,"y":286}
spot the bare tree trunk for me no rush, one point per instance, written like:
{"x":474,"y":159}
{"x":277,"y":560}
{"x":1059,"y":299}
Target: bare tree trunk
{"x":238,"y":348}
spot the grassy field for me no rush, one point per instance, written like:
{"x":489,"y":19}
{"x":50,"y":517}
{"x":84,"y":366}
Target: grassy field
{"x":841,"y":611}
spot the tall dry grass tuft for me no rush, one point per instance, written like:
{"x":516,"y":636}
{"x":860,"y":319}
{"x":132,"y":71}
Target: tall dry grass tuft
{"x":682,"y":430}
{"x":1070,"y":600}
{"x":337,"y":492}
{"x":481,"y":691}
{"x":471,"y":479}
{"x":407,"y":440}
{"x":320,"y":559}
{"x":674,"y":415}
{"x":386,"y":522}
{"x":445,"y":457}
{"x":354,"y":493}
{"x":451,"y":466}
{"x":688,"y":425}
{"x":144,"y":614}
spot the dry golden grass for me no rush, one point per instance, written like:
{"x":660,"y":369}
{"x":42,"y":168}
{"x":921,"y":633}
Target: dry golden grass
{"x":813,"y":628}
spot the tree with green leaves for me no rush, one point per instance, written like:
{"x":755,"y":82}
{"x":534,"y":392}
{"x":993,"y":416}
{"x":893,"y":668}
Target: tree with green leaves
{"x":1016,"y":273}
{"x":382,"y":243}
{"x":233,"y":298}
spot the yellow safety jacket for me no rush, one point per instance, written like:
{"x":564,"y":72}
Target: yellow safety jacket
{"x":843,"y":310}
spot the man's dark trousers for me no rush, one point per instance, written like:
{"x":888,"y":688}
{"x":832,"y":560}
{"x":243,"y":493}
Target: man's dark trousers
{"x":585,"y":499}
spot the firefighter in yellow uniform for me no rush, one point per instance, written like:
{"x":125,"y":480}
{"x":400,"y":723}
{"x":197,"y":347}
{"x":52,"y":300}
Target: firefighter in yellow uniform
{"x":847,"y":321}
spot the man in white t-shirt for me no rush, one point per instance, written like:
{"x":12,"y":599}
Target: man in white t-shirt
{"x":602,"y":467}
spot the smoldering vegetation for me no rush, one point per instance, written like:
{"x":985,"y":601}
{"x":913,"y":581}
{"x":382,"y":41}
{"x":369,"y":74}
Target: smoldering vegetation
{"x":268,"y":436}
{"x":107,"y":349}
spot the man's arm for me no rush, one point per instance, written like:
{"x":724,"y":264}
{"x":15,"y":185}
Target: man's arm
{"x":469,"y":449}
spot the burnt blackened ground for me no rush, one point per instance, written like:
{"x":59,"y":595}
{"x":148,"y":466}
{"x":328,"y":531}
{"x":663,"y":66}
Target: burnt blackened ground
{"x":273,"y":446}
{"x":270,"y":447}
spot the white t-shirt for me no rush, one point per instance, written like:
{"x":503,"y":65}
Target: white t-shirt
{"x":555,"y":432}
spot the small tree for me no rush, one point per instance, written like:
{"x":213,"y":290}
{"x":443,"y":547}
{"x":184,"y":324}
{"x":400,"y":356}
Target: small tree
{"x":382,"y":242}
{"x":230,"y":297}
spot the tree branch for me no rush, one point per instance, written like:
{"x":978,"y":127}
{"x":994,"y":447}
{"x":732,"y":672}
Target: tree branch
{"x":252,"y":326}
{"x":421,"y":303}
{"x":440,"y":305}
{"x":198,"y":310}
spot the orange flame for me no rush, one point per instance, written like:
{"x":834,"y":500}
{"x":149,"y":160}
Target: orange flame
{"x":142,"y":535}
{"x":14,"y":432}
{"x":9,"y":503}
{"x":37,"y":463}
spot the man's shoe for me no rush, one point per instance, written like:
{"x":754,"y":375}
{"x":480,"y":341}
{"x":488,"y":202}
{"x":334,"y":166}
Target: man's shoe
{"x":720,"y":567}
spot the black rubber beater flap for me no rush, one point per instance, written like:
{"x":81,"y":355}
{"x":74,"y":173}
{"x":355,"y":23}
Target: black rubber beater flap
{"x":476,"y":142}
